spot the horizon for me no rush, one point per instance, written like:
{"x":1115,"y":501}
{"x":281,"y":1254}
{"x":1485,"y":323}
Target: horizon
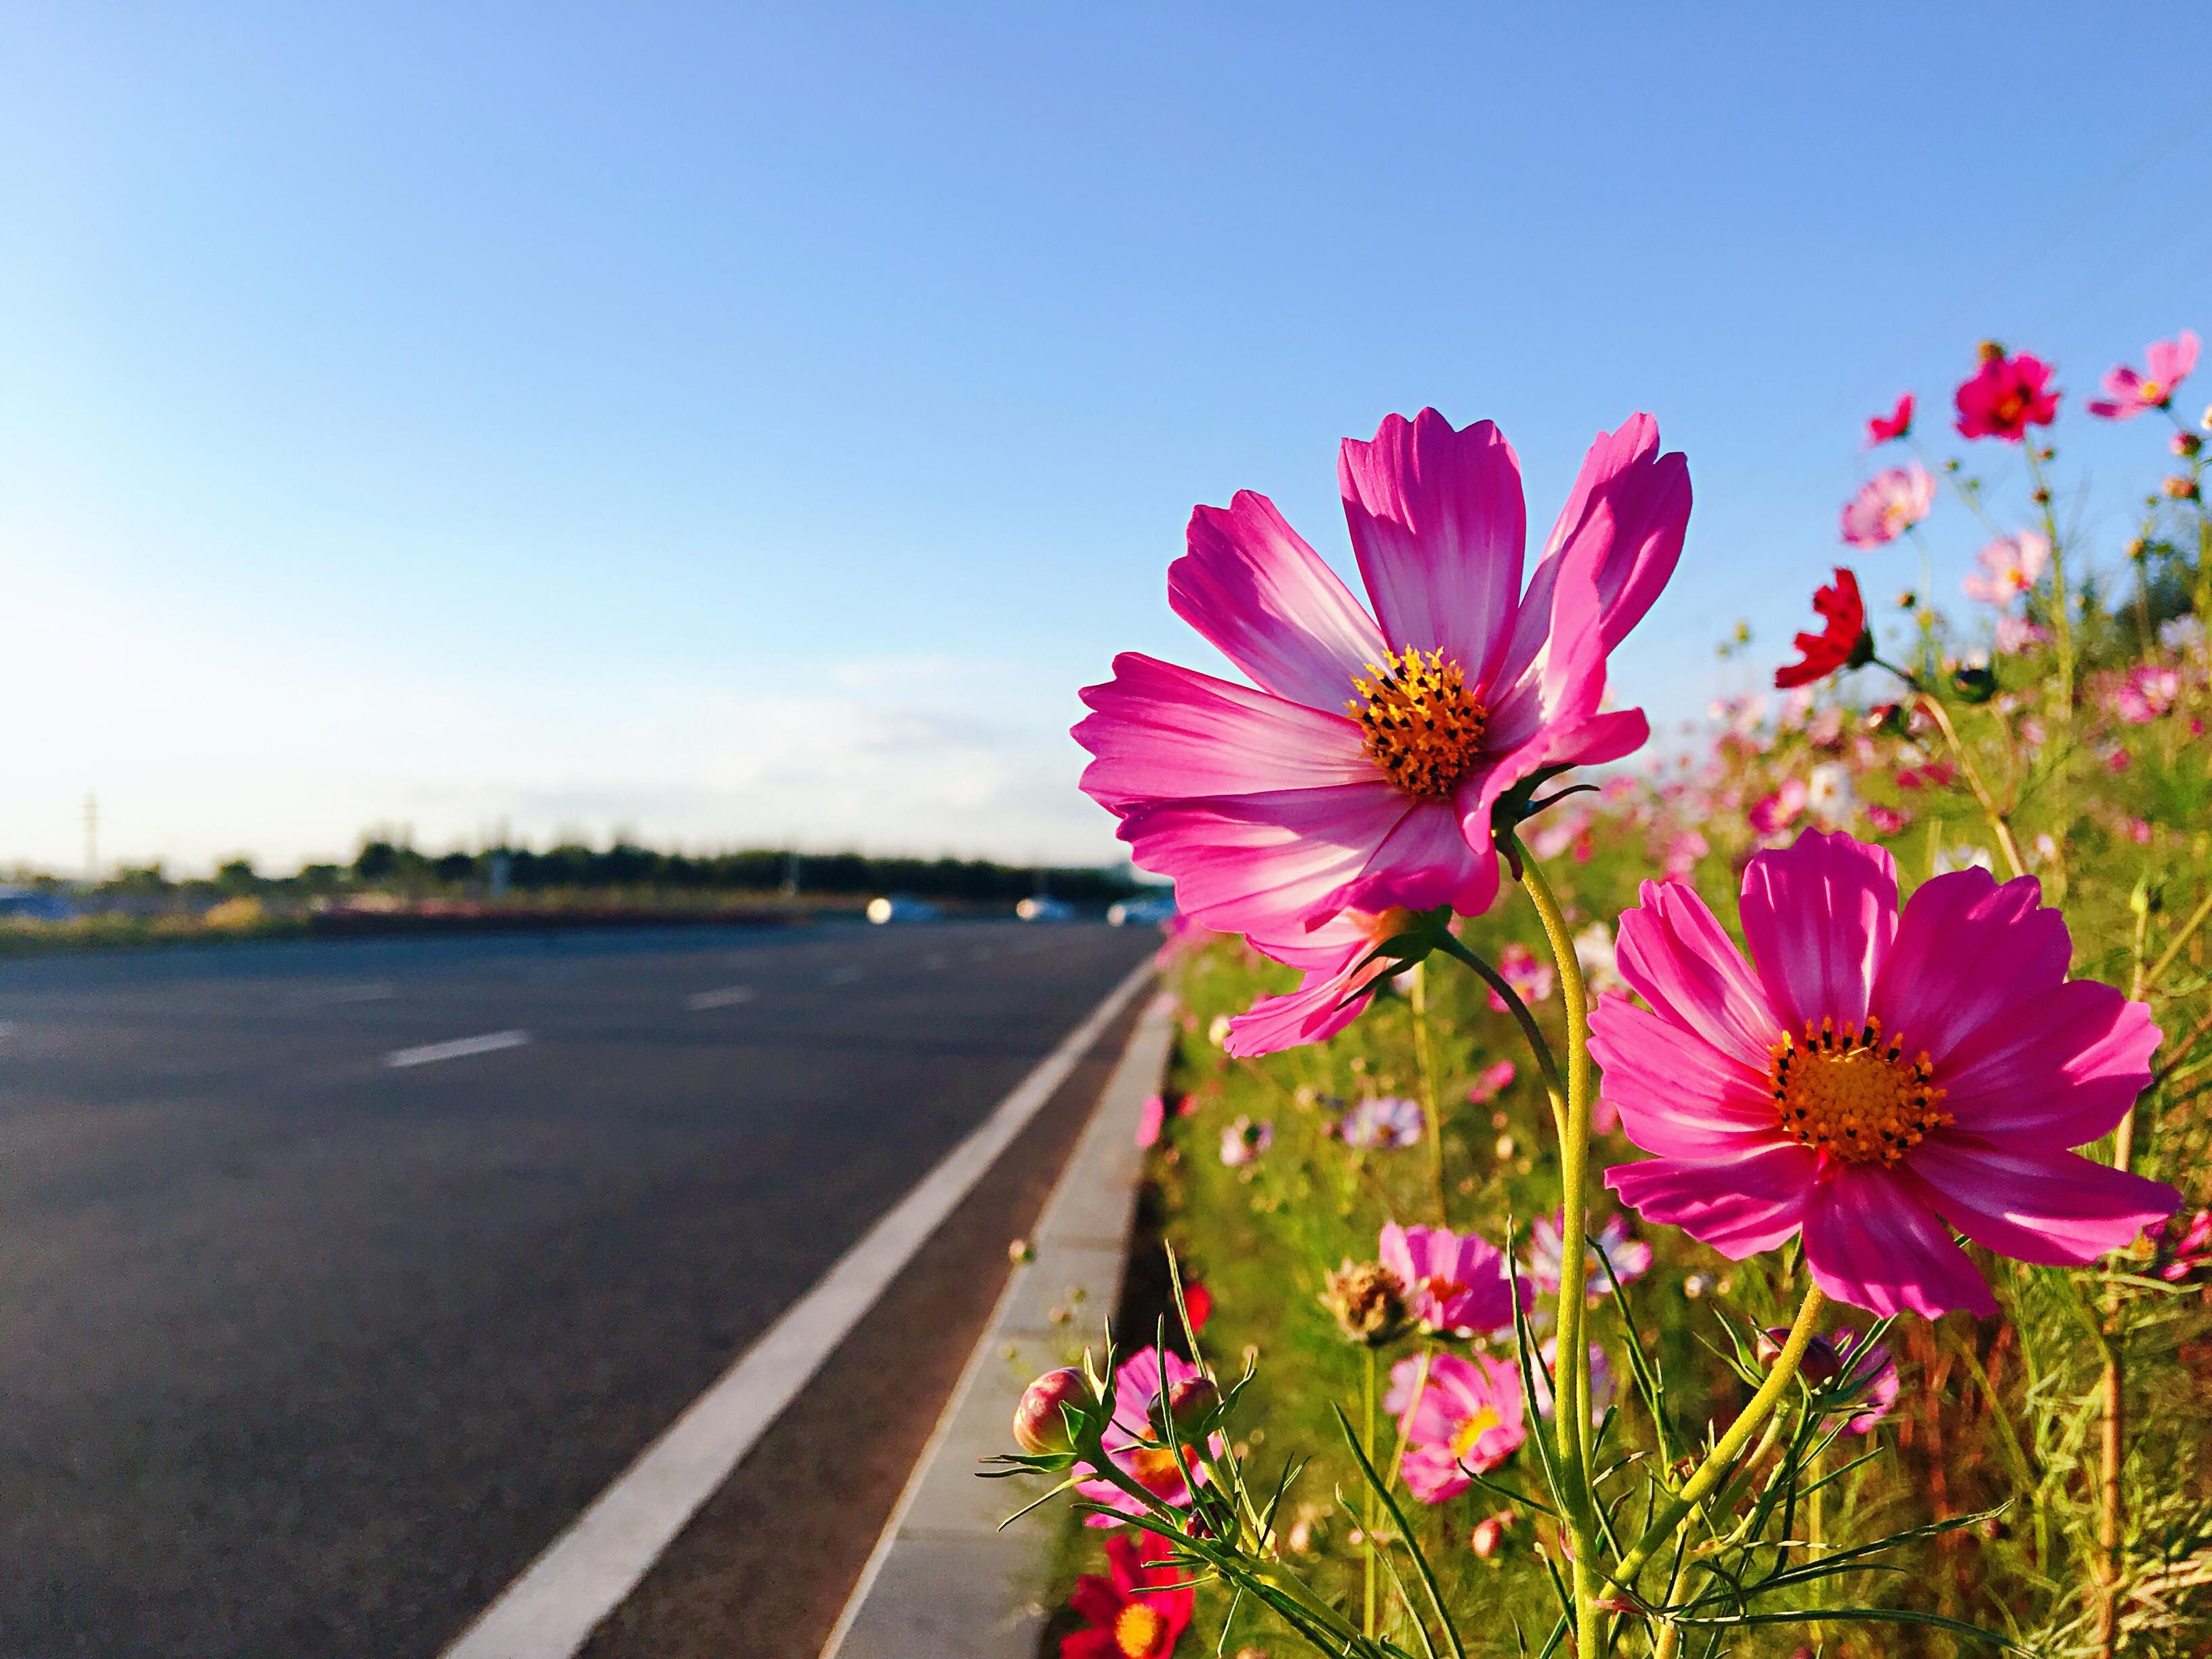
{"x":756,"y":429}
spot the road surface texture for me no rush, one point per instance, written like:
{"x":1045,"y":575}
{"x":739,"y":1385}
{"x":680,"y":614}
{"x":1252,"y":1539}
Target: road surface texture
{"x":336,"y":1279}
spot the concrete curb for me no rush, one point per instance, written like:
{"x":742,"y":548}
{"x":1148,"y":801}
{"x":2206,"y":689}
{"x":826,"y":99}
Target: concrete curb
{"x":943,"y":1582}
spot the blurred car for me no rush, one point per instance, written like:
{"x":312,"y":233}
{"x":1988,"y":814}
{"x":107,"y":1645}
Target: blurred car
{"x":1141,"y":912}
{"x":898,"y":907}
{"x":1045,"y":909}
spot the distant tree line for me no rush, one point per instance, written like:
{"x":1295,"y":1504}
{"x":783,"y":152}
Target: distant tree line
{"x":387,"y":866}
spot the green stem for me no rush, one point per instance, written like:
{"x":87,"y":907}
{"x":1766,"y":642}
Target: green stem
{"x":1549,"y":1067}
{"x":1571,"y":1385}
{"x":1367,"y":1529}
{"x":1425,"y":1059}
{"x":1709,"y":1473}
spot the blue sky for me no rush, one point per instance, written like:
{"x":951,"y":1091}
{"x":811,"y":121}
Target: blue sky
{"x":744,"y":425}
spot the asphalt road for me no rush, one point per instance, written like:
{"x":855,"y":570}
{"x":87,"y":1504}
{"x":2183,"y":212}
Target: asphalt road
{"x":305,"y":1352}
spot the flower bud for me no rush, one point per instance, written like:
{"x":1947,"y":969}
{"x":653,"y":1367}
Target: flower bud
{"x":2186,"y":443}
{"x":1368,"y":1301}
{"x":1189,"y":1402}
{"x":1822,"y":1364}
{"x":2181,"y":488}
{"x":1040,"y":1426}
{"x":1489,"y":1537}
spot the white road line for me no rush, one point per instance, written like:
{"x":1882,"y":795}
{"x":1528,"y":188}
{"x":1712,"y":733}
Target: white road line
{"x":458,"y":1048}
{"x":551,"y":1610}
{"x":842,"y":976}
{"x":728,"y":996}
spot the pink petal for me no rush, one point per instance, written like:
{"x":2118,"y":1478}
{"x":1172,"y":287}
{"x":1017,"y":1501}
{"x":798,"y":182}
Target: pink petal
{"x":1426,"y":860}
{"x":2051,"y":1208}
{"x":1967,"y":951}
{"x":1263,"y":864}
{"x":1750,"y":1204}
{"x":1325,"y":1002}
{"x":1440,"y":527}
{"x":1265,"y":598}
{"x":1564,"y":683}
{"x":2056,"y":1070}
{"x":1819,"y":916}
{"x":2170,"y":361}
{"x":1872,"y":1242}
{"x":1678,"y":1096}
{"x":1164,"y":732}
{"x":1674,"y":954}
{"x":1624,"y":518}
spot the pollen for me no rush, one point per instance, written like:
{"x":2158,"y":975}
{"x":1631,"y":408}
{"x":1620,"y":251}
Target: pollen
{"x":1138,"y":1631}
{"x":1422,"y":726}
{"x":1471,"y":1429}
{"x":1850,"y":1092}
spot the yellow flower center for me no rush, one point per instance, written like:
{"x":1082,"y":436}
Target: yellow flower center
{"x":1851,"y":1093}
{"x":1421,"y":724}
{"x":1153,"y":1467}
{"x":2150,"y":391}
{"x":1138,"y":1629}
{"x":1471,"y":1430}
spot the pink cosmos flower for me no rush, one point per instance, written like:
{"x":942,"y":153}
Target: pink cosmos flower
{"x":1387,"y":1120}
{"x":1601,"y":1385}
{"x":2166,"y":364}
{"x":1467,"y":1415}
{"x":1630,"y":1255}
{"x":2010,"y":566}
{"x":1341,"y":971}
{"x":2181,"y":1258}
{"x":2016,"y":634}
{"x":1243,"y":1141}
{"x":1151,"y":1118}
{"x":1489,"y":1082}
{"x":2148,"y":693}
{"x":2006,"y":396}
{"x":1875,"y":1080}
{"x":1887,"y":505}
{"x":1361,"y":772}
{"x":1683,"y":848}
{"x":1881,"y":428}
{"x":1140,"y":1380}
{"x":1531,"y":977}
{"x":1455,"y":1283}
{"x":1887,"y":820}
{"x":1775,"y":813}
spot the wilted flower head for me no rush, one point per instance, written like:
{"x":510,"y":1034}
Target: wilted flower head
{"x":1887,"y":505}
{"x":1368,"y":1301}
{"x":2006,"y":396}
{"x":1454,"y":1284}
{"x":1243,"y":1140}
{"x":2166,"y":364}
{"x":2010,"y":566}
{"x":1464,"y":1414}
{"x":1388,"y":1121}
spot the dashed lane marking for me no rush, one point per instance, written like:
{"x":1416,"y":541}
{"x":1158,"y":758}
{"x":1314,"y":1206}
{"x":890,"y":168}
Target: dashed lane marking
{"x":728,"y":997}
{"x":458,"y":1048}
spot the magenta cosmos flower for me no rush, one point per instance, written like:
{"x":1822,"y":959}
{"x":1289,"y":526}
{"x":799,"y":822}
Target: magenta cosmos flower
{"x":1887,"y":505}
{"x":1875,"y":1080}
{"x":2166,"y":364}
{"x":1361,"y":772}
{"x":1139,"y":1381}
{"x":2006,"y":396}
{"x":1464,"y":1414}
{"x":1455,"y":1284}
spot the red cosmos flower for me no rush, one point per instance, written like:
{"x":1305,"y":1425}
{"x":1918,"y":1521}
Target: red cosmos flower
{"x":2006,"y":396}
{"x":1845,"y":642}
{"x":1130,"y":1614}
{"x":1897,"y":424}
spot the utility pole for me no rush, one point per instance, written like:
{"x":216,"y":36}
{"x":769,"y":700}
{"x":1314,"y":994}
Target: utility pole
{"x":91,"y":839}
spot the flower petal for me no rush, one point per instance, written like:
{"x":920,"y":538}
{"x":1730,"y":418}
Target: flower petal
{"x":1161,"y":731}
{"x":1326,"y":1001}
{"x":1440,"y":527}
{"x":1674,"y":954}
{"x":1967,"y":951}
{"x":2052,"y":1208}
{"x":2058,"y":1070}
{"x":1872,"y":1241}
{"x":1426,"y":860}
{"x":1819,"y":916}
{"x":1741,"y":1207}
{"x":1263,"y":864}
{"x":1678,"y":1096}
{"x":1253,"y":586}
